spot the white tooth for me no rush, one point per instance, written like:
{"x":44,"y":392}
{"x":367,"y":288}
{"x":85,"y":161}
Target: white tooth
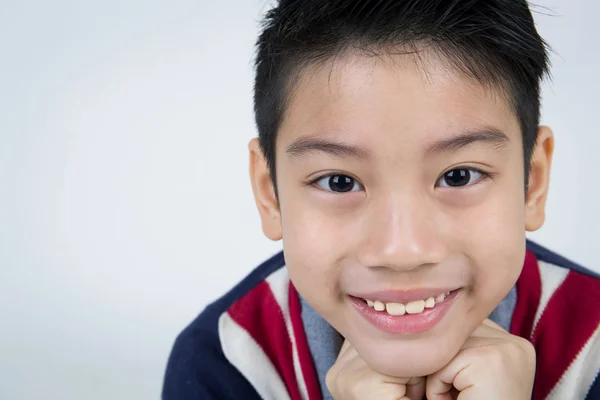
{"x":395,"y":308}
{"x":440,"y":297}
{"x":415,"y":307}
{"x":448,"y":293}
{"x":430,"y":302}
{"x":378,"y":306}
{"x":369,"y":303}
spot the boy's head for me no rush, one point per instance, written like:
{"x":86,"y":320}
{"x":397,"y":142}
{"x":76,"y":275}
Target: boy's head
{"x":397,"y":159}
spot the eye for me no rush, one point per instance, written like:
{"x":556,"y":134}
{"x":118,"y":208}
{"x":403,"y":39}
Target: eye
{"x":338,"y":183}
{"x":460,"y":177}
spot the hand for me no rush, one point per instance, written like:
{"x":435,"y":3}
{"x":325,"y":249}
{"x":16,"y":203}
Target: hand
{"x":492,"y":364}
{"x":351,"y":378}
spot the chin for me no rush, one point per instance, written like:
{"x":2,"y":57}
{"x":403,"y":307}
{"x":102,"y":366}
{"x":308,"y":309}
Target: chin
{"x":408,"y":358}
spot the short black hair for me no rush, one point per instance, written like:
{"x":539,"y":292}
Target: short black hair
{"x":493,"y":41}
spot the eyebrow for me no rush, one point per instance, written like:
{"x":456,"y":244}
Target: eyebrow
{"x":304,"y":146}
{"x":486,"y":135}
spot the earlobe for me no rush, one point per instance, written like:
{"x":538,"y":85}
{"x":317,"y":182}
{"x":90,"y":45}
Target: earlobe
{"x":264,"y":193}
{"x":539,"y":179}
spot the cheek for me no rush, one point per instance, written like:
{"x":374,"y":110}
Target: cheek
{"x":312,"y":247}
{"x":495,"y":238}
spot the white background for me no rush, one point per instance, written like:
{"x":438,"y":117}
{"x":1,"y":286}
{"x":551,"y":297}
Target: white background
{"x":125,"y":204}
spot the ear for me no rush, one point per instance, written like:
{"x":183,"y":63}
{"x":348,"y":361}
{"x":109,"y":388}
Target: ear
{"x":539,"y":178}
{"x":264,"y":193}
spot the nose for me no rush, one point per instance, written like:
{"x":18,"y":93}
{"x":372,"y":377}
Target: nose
{"x":401,"y":232}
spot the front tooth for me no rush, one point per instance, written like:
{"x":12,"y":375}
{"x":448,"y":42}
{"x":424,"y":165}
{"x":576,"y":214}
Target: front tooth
{"x":415,"y":307}
{"x":378,"y":306}
{"x":369,"y":303}
{"x":440,"y":297}
{"x":395,"y":308}
{"x":430,"y":302}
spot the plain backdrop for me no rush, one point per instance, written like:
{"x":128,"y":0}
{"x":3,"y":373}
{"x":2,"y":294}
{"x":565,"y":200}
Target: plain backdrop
{"x":125,"y":204}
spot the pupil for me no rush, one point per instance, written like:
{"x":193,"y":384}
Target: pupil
{"x":458,"y":177}
{"x":341,"y":183}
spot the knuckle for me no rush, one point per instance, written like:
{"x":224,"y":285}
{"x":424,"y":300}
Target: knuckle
{"x":527,"y":346}
{"x":521,"y":347}
{"x":331,"y":379}
{"x":496,"y":358}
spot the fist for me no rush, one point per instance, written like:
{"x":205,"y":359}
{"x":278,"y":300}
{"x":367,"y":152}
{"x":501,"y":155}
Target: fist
{"x":492,"y":364}
{"x":351,"y":378}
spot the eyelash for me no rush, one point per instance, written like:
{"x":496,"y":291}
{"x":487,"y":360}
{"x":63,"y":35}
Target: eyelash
{"x":313,"y":182}
{"x":484,"y":176}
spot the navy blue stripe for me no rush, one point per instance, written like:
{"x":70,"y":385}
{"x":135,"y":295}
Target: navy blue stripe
{"x":543,"y":254}
{"x":197,"y":369}
{"x":594,"y":393}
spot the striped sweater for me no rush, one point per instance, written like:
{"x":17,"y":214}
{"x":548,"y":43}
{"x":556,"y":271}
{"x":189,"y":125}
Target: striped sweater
{"x":259,"y":341}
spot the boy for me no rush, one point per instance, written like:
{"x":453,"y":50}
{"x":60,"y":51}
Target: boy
{"x":400,"y":160}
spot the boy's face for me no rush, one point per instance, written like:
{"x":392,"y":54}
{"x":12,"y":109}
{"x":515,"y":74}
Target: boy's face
{"x":398,"y":183}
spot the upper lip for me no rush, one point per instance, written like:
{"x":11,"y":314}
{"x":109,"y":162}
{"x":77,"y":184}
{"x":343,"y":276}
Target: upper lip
{"x":403,"y":296}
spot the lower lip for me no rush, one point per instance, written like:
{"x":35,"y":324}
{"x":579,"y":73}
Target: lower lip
{"x":410,"y":324}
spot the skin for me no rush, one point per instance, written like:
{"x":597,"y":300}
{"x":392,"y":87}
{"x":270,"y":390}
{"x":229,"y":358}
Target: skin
{"x":492,"y":364}
{"x":400,"y":227}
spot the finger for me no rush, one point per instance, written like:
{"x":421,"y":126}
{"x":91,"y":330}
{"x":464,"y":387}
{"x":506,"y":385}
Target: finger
{"x":346,"y":352}
{"x":415,"y":388}
{"x":397,"y":381}
{"x":487,"y":330}
{"x":457,"y":374}
{"x":437,"y":388}
{"x":345,"y":346}
{"x":364,"y":384}
{"x":494,"y":325}
{"x":374,"y":388}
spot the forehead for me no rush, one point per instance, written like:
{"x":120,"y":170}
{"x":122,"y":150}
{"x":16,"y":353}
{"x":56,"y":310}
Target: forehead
{"x":403,"y":98}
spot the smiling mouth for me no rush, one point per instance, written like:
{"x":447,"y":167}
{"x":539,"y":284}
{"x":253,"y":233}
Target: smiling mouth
{"x":412,"y":307}
{"x":401,"y":312}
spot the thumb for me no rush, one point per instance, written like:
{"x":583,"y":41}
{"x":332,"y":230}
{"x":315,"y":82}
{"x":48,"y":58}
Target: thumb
{"x":347,"y":352}
{"x":415,"y":388}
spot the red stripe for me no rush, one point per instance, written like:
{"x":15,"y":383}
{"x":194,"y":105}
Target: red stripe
{"x":304,"y":356}
{"x":529,"y":292}
{"x":567,"y":323}
{"x":260,"y":315}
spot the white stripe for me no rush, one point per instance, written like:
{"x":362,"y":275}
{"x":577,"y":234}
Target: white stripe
{"x":279,"y":284}
{"x":578,"y":378}
{"x":552,"y":277}
{"x":246,"y":355}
